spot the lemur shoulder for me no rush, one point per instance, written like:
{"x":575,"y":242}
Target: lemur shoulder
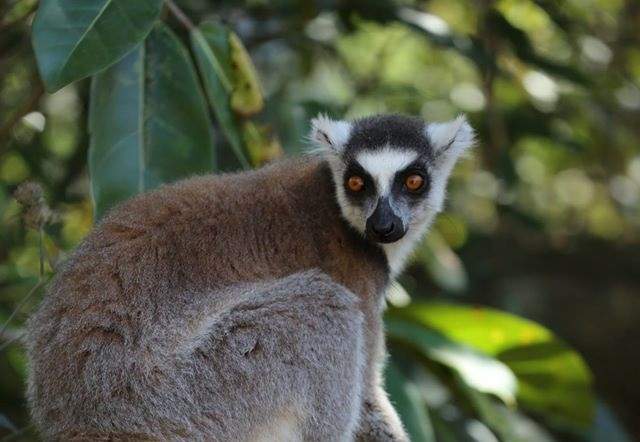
{"x":244,"y":306}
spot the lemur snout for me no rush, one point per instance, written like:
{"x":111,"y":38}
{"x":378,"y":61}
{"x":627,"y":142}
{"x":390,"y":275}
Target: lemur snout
{"x":383,"y":229}
{"x":384,"y":225}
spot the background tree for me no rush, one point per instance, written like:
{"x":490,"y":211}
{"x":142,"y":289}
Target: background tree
{"x":542,"y":221}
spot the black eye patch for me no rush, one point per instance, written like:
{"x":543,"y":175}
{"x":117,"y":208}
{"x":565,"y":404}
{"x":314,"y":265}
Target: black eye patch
{"x":415,"y":168}
{"x":369,"y":189}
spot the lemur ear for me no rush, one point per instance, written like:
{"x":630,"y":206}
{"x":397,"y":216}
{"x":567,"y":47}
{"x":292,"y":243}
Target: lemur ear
{"x":329,"y":134}
{"x":452,"y":138}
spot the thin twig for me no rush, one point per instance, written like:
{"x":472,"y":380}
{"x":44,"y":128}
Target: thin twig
{"x":11,"y":340}
{"x":16,"y":433}
{"x":33,"y":290}
{"x":41,"y":251}
{"x":8,"y":24}
{"x":24,"y":300}
{"x":27,"y":107}
{"x":180,"y":15}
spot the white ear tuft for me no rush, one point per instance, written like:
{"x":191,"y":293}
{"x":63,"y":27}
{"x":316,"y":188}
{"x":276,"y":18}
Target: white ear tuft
{"x":329,"y":134}
{"x":452,"y":138}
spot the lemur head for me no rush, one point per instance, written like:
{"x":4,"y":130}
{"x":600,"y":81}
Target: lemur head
{"x":390,"y":173}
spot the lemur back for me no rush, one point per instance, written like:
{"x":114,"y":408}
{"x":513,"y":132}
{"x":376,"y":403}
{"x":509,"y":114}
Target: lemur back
{"x":135,"y":277}
{"x":248,"y":306}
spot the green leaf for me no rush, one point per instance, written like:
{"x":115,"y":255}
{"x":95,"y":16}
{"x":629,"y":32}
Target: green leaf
{"x":407,"y":401}
{"x":442,"y":263}
{"x":606,"y":426}
{"x":148,"y":122}
{"x":73,"y":39}
{"x":470,"y":47}
{"x":210,"y":45}
{"x":5,"y":422}
{"x":506,"y":422}
{"x":553,"y":380}
{"x":486,"y":410}
{"x":522,"y":46}
{"x":477,"y":370}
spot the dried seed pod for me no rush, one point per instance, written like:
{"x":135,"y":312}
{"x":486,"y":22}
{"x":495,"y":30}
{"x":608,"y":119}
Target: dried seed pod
{"x":36,"y":211}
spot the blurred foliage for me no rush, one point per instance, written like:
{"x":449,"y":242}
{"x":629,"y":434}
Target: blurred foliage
{"x":543,"y":219}
{"x":141,"y":136}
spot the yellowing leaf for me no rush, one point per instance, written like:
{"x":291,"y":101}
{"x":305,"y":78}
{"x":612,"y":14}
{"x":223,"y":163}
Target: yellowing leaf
{"x":246,"y":98}
{"x":261,"y":144}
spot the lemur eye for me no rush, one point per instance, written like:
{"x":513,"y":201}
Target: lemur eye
{"x":355,"y":183}
{"x":414,"y":182}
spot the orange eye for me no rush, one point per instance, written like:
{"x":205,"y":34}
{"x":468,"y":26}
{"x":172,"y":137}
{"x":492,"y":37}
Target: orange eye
{"x":355,"y":183}
{"x":414,"y":182}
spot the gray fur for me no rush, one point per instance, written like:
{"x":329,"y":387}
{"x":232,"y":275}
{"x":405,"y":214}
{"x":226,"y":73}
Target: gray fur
{"x":239,"y":307}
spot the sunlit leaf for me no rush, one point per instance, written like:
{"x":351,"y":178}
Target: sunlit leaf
{"x":477,"y":370}
{"x":73,"y":39}
{"x":148,"y":121}
{"x":397,"y":296}
{"x":553,"y":380}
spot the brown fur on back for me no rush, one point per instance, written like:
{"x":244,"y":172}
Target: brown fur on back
{"x":138,"y":288}
{"x":214,"y":231}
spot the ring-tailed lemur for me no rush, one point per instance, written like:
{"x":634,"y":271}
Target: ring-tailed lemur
{"x":243,"y":307}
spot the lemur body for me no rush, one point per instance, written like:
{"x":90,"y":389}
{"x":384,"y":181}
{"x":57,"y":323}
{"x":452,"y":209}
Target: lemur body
{"x":244,"y":306}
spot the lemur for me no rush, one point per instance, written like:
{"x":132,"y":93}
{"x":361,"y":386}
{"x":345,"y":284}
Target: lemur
{"x":245,"y":306}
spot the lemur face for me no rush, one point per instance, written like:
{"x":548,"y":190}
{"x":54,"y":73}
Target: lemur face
{"x":389,"y":188}
{"x":390,"y":171}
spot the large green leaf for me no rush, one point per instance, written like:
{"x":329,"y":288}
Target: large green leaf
{"x":477,"y":370}
{"x":148,"y":122}
{"x":407,"y":401}
{"x":553,"y":379}
{"x":73,"y":39}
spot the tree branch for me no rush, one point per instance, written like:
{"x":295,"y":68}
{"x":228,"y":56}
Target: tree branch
{"x":8,"y":24}
{"x":27,"y":107}
{"x":180,"y":15}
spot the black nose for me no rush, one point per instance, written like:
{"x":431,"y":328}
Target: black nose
{"x":383,"y":229}
{"x":384,"y":225}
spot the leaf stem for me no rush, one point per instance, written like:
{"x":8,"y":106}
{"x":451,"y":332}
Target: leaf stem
{"x":180,"y":15}
{"x":22,"y":302}
{"x":30,"y":104}
{"x":10,"y":23}
{"x":16,"y":433}
{"x":17,"y":337}
{"x":41,"y":250}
